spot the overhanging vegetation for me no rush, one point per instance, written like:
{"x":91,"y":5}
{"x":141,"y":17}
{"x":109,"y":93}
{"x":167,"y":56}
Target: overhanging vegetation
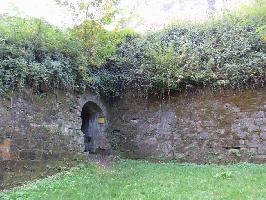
{"x":228,"y":52}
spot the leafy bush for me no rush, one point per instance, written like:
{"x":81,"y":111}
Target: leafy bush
{"x":35,"y":53}
{"x":224,"y":52}
{"x":228,"y":51}
{"x":99,"y":45}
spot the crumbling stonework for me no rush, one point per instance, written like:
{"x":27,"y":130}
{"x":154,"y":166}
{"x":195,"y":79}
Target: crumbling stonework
{"x":201,"y":127}
{"x":38,"y":128}
{"x":35,"y":130}
{"x":44,"y":130}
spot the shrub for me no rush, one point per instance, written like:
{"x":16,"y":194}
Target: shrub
{"x":228,"y":51}
{"x":35,"y":53}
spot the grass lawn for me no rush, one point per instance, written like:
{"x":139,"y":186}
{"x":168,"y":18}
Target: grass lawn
{"x":142,"y":180}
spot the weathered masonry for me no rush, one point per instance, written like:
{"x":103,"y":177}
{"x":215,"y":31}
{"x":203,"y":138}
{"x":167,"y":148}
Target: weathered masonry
{"x":200,"y":126}
{"x":40,"y":131}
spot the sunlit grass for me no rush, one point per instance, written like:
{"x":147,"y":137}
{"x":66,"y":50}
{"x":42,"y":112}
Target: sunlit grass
{"x":142,"y":180}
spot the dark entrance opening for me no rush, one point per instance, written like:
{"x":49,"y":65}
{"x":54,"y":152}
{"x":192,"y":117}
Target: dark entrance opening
{"x":93,"y":126}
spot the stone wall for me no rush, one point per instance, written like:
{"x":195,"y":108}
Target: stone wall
{"x":37,"y":127}
{"x":200,"y":126}
{"x":42,"y":132}
{"x":35,"y":130}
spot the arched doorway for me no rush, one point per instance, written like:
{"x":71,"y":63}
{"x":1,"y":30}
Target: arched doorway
{"x":93,"y":126}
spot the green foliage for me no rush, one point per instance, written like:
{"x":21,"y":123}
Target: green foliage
{"x":142,"y":180}
{"x":98,"y":44}
{"x":99,"y":11}
{"x":229,"y":51}
{"x":35,"y":53}
{"x":235,"y":152}
{"x":226,"y":52}
{"x":254,"y":8}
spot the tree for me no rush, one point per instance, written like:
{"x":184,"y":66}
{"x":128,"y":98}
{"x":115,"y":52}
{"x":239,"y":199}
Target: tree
{"x":100,"y":11}
{"x":91,"y":18}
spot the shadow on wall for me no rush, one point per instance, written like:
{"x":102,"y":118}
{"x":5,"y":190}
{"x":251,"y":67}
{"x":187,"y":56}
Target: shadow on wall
{"x":93,"y":126}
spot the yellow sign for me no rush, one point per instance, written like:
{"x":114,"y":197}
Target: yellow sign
{"x":101,"y":120}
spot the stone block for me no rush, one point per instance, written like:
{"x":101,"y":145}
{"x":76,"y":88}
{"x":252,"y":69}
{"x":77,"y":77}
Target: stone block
{"x":253,"y":141}
{"x":259,"y":114}
{"x":204,"y":136}
{"x":260,"y":159}
{"x":49,"y":155}
{"x":36,"y":144}
{"x":30,"y":155}
{"x":242,"y":134}
{"x":263,"y":136}
{"x":260,"y":121}
{"x":228,"y":142}
{"x":252,"y":127}
{"x":208,"y":124}
{"x":242,"y":142}
{"x":262,"y":148}
{"x":21,"y":143}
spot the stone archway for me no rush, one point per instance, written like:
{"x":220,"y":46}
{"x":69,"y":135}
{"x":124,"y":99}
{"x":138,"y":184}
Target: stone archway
{"x":94,"y":124}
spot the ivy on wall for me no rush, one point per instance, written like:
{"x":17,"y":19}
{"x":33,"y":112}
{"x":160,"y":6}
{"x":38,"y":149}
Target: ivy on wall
{"x":228,"y":51}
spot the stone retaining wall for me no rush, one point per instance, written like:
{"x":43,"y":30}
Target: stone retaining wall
{"x":201,"y":127}
{"x":35,"y":130}
{"x":36,"y":127}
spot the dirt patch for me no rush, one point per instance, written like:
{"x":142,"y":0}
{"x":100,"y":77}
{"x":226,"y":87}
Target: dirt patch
{"x":103,"y":161}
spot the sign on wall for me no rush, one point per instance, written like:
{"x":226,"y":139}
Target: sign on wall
{"x":101,"y":120}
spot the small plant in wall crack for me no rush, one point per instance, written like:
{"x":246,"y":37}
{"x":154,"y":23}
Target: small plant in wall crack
{"x":251,"y":155}
{"x":235,"y":152}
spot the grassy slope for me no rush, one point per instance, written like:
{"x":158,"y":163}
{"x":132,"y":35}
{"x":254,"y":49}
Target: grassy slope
{"x":142,"y":180}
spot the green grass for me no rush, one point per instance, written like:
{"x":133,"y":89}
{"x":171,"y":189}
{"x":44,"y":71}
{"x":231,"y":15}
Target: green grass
{"x":142,"y":180}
